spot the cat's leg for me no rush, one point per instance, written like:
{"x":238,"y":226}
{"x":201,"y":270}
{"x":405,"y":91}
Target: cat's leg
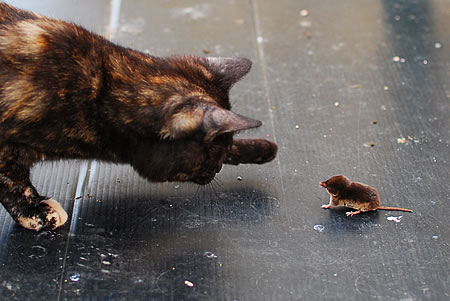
{"x":257,"y":151}
{"x":20,"y":198}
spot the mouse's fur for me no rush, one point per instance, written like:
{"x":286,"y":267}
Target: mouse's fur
{"x":359,"y":196}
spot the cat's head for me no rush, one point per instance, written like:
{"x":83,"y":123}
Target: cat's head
{"x":196,"y":127}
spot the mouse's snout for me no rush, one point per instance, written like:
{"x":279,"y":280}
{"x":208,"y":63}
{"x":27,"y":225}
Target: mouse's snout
{"x":323,"y":184}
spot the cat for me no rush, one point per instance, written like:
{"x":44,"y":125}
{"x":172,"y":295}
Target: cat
{"x":67,"y":93}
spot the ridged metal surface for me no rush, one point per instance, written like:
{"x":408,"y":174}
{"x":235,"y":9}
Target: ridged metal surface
{"x":338,"y":90}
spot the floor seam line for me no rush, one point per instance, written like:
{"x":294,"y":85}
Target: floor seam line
{"x":262,"y":61}
{"x":81,"y":185}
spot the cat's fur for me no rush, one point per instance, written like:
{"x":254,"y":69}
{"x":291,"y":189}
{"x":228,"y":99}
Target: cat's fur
{"x":68,"y":93}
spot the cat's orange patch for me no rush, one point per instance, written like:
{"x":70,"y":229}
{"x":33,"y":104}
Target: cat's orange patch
{"x":205,"y":72}
{"x":23,"y":101}
{"x":182,"y":124}
{"x":25,"y":37}
{"x":33,"y":34}
{"x":82,"y":132}
{"x":163,"y":79}
{"x":28,"y":192}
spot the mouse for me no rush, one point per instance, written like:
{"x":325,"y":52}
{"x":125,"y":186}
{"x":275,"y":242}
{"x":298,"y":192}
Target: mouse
{"x":356,"y":195}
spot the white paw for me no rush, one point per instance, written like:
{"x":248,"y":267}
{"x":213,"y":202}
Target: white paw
{"x":56,"y":213}
{"x":30,"y":223}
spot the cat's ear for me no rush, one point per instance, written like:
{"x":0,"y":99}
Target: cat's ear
{"x":230,"y":70}
{"x":217,"y":121}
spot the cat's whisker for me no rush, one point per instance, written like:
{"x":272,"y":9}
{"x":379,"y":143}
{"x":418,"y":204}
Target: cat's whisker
{"x":218,"y":183}
{"x":213,"y":185}
{"x":217,"y":187}
{"x":200,"y":192}
{"x":198,"y":189}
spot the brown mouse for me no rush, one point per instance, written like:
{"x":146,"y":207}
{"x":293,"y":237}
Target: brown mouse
{"x":359,"y":196}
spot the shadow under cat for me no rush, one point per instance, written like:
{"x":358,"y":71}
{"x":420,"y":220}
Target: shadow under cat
{"x":144,"y":215}
{"x":152,"y":244}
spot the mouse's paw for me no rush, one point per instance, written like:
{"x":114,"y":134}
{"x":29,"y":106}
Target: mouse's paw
{"x":328,"y":206}
{"x":351,"y":213}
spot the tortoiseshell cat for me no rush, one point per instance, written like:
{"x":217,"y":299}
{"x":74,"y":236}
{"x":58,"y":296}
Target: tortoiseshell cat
{"x":68,"y":93}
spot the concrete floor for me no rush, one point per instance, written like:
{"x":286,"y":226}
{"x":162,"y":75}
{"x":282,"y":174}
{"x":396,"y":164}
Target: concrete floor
{"x":320,"y":80}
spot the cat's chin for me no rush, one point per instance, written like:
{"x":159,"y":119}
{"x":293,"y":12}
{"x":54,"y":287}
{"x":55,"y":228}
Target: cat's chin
{"x":202,"y":180}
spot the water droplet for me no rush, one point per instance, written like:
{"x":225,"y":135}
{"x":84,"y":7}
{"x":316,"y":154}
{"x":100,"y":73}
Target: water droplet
{"x":176,"y":186}
{"x":188,"y":283}
{"x":305,"y":23}
{"x":304,"y":13}
{"x":239,"y":178}
{"x":210,"y":255}
{"x":138,"y":280}
{"x":396,"y":219}
{"x":319,"y":228}
{"x":113,"y":255}
{"x":435,"y":236}
{"x":75,"y":277}
{"x":39,"y":250}
{"x":106,"y":262}
{"x":437,"y":45}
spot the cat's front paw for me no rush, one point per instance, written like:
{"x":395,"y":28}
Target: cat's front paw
{"x":56,"y":216}
{"x":50,"y":216}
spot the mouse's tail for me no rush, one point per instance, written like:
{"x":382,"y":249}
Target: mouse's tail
{"x":393,"y":208}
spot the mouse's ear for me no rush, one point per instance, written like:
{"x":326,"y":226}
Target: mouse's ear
{"x":229,"y":70}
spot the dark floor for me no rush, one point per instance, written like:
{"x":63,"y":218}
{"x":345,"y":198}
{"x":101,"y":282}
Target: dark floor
{"x":319,"y":83}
